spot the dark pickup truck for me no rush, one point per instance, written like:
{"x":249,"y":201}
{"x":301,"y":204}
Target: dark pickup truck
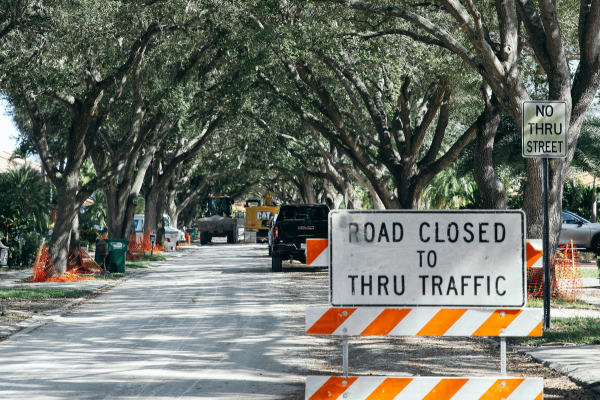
{"x":294,"y":224}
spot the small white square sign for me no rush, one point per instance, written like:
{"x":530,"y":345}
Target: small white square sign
{"x":544,"y":129}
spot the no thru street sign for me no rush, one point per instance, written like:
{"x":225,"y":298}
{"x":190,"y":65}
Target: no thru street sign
{"x":427,"y":258}
{"x":544,"y":129}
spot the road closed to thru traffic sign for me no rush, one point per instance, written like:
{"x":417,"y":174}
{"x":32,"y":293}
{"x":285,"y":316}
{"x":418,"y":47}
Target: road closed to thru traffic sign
{"x":427,"y":258}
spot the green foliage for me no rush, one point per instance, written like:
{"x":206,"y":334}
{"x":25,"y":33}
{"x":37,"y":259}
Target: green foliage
{"x":96,"y":213}
{"x":112,"y":277}
{"x":32,"y":241}
{"x":25,"y":201}
{"x":448,"y":190}
{"x":575,"y":330}
{"x":89,"y":235}
{"x":140,"y":207}
{"x":24,"y":213}
{"x":42,"y":293}
{"x":589,"y":272}
{"x":577,"y":198}
{"x":152,"y":257}
{"x":136,"y":264}
{"x":585,"y":256}
{"x":539,"y":303}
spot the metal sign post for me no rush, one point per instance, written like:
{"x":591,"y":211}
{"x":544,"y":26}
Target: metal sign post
{"x":544,"y":136}
{"x":546,"y":243}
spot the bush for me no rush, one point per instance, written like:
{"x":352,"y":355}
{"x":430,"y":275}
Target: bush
{"x":586,"y":257}
{"x":89,"y":235}
{"x":30,"y":245}
{"x":29,"y":250}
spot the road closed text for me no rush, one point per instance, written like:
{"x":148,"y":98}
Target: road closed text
{"x":408,"y":258}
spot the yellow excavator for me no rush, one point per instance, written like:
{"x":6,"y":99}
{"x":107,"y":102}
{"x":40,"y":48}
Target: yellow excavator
{"x":259,"y":216}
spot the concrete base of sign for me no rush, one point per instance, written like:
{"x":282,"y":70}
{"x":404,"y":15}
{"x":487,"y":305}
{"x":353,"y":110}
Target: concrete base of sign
{"x":250,"y":237}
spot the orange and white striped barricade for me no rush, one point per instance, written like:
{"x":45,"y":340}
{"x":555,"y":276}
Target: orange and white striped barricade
{"x":417,"y":388}
{"x":317,"y":252}
{"x":387,"y":271}
{"x":534,"y":252}
{"x":423,"y":321}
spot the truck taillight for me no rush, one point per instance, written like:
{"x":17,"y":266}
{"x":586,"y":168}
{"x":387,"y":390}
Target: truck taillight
{"x":275,"y":232}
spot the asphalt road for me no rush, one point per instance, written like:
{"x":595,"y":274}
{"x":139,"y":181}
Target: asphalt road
{"x":218,"y":324}
{"x":213,"y":324}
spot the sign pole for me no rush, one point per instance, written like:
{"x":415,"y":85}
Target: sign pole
{"x":544,"y":135}
{"x":546,"y":243}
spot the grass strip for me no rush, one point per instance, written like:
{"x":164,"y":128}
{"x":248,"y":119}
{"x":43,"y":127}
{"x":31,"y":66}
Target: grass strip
{"x":539,"y":303}
{"x":574,"y":330}
{"x":136,"y":264}
{"x":590,"y":272}
{"x":153,"y":257}
{"x":42,"y":293}
{"x":15,"y":268}
{"x":112,"y":277}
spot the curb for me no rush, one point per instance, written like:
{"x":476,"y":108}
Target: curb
{"x":579,"y":377}
{"x":564,"y":369}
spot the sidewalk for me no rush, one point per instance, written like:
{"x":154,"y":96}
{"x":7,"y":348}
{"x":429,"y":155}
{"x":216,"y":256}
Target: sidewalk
{"x":580,"y":363}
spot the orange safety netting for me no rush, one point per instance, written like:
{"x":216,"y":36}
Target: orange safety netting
{"x":139,"y":245}
{"x":188,"y":241}
{"x":565,"y":275}
{"x":78,"y":264}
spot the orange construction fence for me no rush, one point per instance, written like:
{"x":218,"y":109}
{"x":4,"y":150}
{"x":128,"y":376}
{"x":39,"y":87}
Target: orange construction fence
{"x":78,"y":264}
{"x":188,"y":241}
{"x":140,"y":245}
{"x":565,"y":275}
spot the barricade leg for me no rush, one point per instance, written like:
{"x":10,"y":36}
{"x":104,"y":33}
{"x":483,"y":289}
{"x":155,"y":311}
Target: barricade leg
{"x":502,"y":356}
{"x":345,"y":355}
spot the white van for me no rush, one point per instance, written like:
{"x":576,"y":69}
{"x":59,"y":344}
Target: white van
{"x":172,"y":235}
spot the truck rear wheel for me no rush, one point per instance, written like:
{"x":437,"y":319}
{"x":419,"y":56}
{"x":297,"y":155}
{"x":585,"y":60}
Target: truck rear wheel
{"x":204,"y":238}
{"x":276,"y":263}
{"x":230,"y":238}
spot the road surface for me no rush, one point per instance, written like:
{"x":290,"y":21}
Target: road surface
{"x":207,"y":325}
{"x":218,"y":324}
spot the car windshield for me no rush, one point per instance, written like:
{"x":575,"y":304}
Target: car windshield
{"x":304,"y":213}
{"x":572,"y":219}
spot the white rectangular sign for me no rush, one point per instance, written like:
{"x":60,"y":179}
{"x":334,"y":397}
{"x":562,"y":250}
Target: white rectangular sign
{"x":544,"y":129}
{"x":427,"y":258}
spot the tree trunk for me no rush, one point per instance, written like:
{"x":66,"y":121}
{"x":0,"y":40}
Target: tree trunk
{"x":308,"y":192}
{"x":490,"y":186}
{"x":160,"y":210}
{"x":111,"y":207}
{"x":75,"y":239}
{"x":171,"y":207}
{"x":594,"y":200}
{"x":150,"y":211}
{"x":63,"y":223}
{"x":351,"y":198}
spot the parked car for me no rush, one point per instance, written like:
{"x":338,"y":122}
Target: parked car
{"x":585,"y":234}
{"x":294,"y":224}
